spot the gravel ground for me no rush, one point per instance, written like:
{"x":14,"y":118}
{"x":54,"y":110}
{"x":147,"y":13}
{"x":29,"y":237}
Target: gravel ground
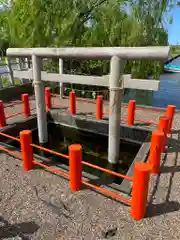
{"x":39,"y":205}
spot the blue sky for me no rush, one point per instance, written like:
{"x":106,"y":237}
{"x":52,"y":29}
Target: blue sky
{"x":174,"y":28}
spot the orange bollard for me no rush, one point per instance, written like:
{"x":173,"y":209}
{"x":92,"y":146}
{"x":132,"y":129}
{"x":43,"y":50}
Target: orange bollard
{"x":48,"y":98}
{"x":2,"y":115}
{"x":26,"y":149}
{"x":155,"y":152}
{"x":99,"y":107}
{"x":131,"y":112}
{"x":25,"y":100}
{"x":72,"y":102}
{"x":163,"y":127}
{"x":75,"y":166}
{"x":140,"y":190}
{"x":170,"y":114}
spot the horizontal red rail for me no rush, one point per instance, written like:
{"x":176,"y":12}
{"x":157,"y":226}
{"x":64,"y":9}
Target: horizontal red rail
{"x":12,"y":104}
{"x":16,"y":114}
{"x":148,"y":122}
{"x":50,"y":151}
{"x":53,"y":170}
{"x":123,"y":106}
{"x":107,"y":193}
{"x":8,"y":136}
{"x":107,"y":171}
{"x":99,"y":189}
{"x":18,"y":155}
{"x":36,"y":146}
{"x":66,"y":175}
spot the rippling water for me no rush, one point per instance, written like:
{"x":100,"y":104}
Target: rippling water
{"x":169,"y":93}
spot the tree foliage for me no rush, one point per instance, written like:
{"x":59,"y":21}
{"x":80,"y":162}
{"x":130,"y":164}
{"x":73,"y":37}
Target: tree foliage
{"x":47,"y":23}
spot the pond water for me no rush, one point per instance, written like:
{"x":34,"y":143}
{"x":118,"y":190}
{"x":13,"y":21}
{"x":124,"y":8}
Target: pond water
{"x":168,"y":93}
{"x":95,"y":149}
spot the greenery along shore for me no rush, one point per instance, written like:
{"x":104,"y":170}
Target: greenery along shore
{"x":55,"y":23}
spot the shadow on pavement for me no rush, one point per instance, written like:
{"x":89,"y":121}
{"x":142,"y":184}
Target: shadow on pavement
{"x":167,"y":206}
{"x":8,"y":230}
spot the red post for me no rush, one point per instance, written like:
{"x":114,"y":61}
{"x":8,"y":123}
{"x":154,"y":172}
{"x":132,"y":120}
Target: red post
{"x":48,"y":98}
{"x":2,"y":115}
{"x":75,"y":166}
{"x":25,"y":100}
{"x":26,"y":149}
{"x":163,"y":127}
{"x":131,"y":112}
{"x":140,"y":190}
{"x":170,"y":114}
{"x":155,"y":152}
{"x":72,"y":102}
{"x":99,"y":107}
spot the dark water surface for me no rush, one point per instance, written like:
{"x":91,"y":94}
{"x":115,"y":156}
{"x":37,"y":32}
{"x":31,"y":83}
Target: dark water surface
{"x":95,"y":149}
{"x":169,"y":93}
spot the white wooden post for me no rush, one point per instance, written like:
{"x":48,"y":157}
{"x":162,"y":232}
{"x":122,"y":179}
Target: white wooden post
{"x":61,"y":93}
{"x":40,"y":100}
{"x":10,"y":71}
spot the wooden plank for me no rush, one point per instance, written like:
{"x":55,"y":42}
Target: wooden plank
{"x":97,"y":53}
{"x":152,"y":85}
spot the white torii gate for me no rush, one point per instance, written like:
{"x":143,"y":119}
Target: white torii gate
{"x":116,"y":81}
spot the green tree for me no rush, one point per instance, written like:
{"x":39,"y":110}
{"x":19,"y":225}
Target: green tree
{"x":43,"y":23}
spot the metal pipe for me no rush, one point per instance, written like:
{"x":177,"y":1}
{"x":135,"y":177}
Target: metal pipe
{"x":98,"y":53}
{"x":116,"y":94}
{"x":40,"y":100}
{"x":61,"y":72}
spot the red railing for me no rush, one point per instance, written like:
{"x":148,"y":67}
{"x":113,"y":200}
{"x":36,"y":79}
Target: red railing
{"x":26,"y":109}
{"x":140,"y":180}
{"x":130,"y":118}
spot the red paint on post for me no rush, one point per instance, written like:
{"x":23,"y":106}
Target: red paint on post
{"x":99,"y":107}
{"x":140,"y":190}
{"x":2,"y":115}
{"x":75,"y":167}
{"x":48,"y":98}
{"x":73,"y":103}
{"x":157,"y":142}
{"x":26,"y":149}
{"x":163,"y":127}
{"x":131,"y":112}
{"x":170,"y":114}
{"x":25,"y":100}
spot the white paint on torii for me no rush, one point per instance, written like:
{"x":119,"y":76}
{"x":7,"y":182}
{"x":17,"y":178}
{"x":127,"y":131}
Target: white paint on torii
{"x":117,"y":57}
{"x":128,"y":82}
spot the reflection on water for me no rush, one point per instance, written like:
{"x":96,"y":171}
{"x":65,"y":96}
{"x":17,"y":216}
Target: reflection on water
{"x":167,"y":94}
{"x":95,"y":148}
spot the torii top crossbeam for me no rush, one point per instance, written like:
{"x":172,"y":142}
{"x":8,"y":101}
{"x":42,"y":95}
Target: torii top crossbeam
{"x":97,"y":53}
